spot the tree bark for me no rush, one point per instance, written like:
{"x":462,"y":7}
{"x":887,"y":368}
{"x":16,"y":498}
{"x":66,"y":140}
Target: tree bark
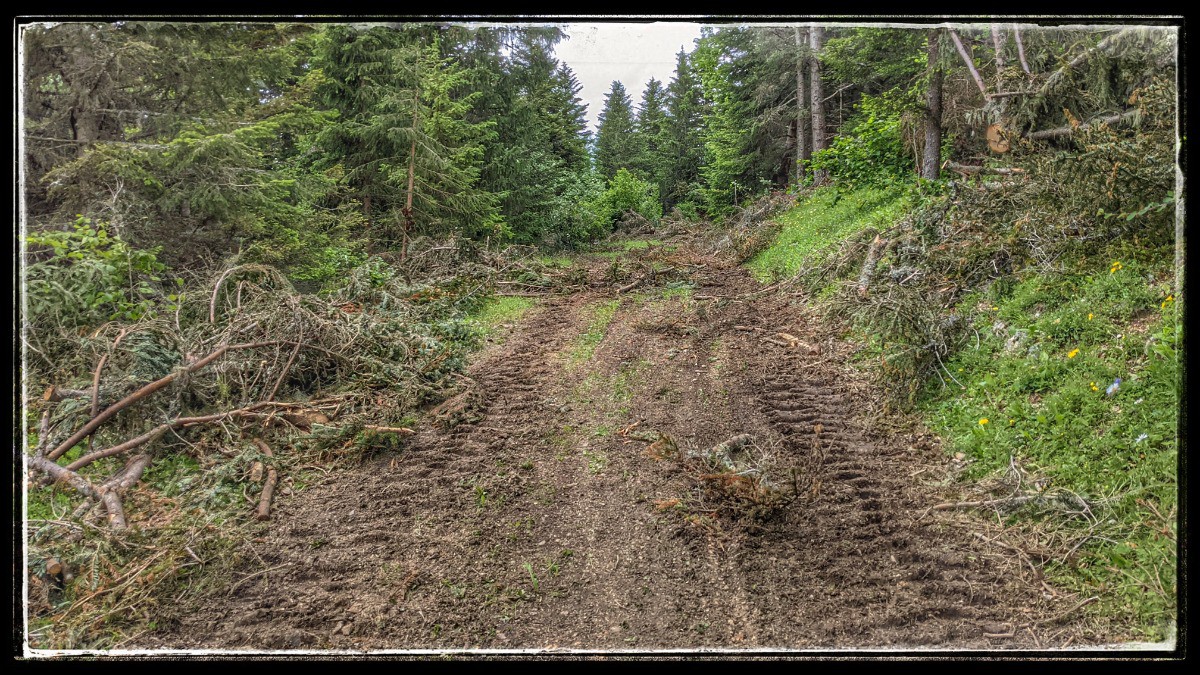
{"x":817,"y":91}
{"x":803,"y":150}
{"x":931,"y":167}
{"x":412,"y":173}
{"x":999,"y":42}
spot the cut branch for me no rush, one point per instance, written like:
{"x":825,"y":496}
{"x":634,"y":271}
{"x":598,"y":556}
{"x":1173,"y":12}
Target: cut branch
{"x":145,"y":391}
{"x":1061,"y":132}
{"x":264,"y":500}
{"x":972,"y":169}
{"x":1021,"y":49}
{"x":962,"y":51}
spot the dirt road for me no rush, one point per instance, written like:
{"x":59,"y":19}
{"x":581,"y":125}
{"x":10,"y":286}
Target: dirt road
{"x":556,"y":514}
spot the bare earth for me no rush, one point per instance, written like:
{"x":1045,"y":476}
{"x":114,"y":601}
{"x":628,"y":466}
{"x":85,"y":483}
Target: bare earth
{"x":538,"y":524}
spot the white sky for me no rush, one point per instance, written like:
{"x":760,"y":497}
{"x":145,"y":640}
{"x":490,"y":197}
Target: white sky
{"x":630,"y":52}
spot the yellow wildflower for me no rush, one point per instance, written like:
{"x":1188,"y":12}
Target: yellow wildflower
{"x":983,"y":421}
{"x":1115,"y":266}
{"x":1169,"y":300}
{"x":1073,"y":353}
{"x":1094,"y":387}
{"x":1011,"y":422}
{"x":994,"y":308}
{"x":1090,"y":315}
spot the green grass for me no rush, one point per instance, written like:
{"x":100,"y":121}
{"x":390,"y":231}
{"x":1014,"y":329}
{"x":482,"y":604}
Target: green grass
{"x":501,"y":310}
{"x":560,"y":261}
{"x":821,"y":221}
{"x":1044,"y":402}
{"x":585,"y":345}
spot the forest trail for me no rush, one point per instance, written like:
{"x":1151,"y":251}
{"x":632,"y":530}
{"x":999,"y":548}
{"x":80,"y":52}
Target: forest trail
{"x":548,"y":517}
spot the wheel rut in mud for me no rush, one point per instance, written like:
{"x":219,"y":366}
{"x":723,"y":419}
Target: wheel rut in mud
{"x":541,"y":519}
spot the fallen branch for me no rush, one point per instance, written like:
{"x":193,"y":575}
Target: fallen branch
{"x":869,"y":264}
{"x":637,"y":282}
{"x":390,"y":430}
{"x":973,"y":169}
{"x":55,"y":394}
{"x":1104,"y":45}
{"x":113,"y":487}
{"x":145,"y":391}
{"x":264,"y":500}
{"x":1008,"y":501}
{"x":962,"y":51}
{"x":161,"y":429}
{"x":1060,"y":132}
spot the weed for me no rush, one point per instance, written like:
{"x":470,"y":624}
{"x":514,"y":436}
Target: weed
{"x":532,"y":577}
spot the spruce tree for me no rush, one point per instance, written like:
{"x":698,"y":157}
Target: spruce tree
{"x":616,"y":144}
{"x":682,"y":136}
{"x":649,"y":126}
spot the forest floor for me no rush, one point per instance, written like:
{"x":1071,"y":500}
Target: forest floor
{"x":554,"y":514}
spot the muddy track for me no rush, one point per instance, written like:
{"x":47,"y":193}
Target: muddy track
{"x":535,"y":523}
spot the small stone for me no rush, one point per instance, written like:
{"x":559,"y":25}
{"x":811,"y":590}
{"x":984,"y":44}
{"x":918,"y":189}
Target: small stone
{"x":337,"y":629}
{"x":347,"y":628}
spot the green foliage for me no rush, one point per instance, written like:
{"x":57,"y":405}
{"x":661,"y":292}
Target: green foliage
{"x":84,"y":277}
{"x":585,"y":346}
{"x":617,"y":145}
{"x":625,"y":193}
{"x":820,"y":222}
{"x":872,"y":149}
{"x":1049,"y":348}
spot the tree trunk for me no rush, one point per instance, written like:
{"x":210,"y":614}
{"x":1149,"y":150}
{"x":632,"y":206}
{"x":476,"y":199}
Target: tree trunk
{"x":932,"y":160}
{"x":817,"y":91}
{"x":999,"y":41}
{"x":408,"y":200}
{"x":803,"y":150}
{"x":1021,"y":49}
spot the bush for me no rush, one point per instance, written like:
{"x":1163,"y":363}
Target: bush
{"x":627,"y":192}
{"x":871,"y":151}
{"x":84,"y":277}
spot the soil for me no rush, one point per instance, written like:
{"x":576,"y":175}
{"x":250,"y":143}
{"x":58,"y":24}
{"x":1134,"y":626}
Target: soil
{"x":551,"y":518}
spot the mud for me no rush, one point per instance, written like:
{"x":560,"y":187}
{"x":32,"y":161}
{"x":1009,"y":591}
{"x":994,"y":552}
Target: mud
{"x":537,"y":523}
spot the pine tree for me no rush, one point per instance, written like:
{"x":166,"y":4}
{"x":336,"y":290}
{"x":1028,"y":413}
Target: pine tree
{"x":616,"y":144}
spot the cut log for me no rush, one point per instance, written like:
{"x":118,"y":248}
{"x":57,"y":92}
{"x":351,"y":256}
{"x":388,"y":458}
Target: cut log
{"x":264,"y":500}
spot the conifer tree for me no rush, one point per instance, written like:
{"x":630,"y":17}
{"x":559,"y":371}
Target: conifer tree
{"x":616,"y":143}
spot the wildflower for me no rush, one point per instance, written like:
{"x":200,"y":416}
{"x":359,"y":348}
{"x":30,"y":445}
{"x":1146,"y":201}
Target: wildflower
{"x":1094,"y":387}
{"x":1090,"y":315}
{"x":1169,"y":300}
{"x":983,"y":422}
{"x":1073,"y":353}
{"x":1115,"y":266}
{"x":1141,"y":438}
{"x":1112,"y":388}
{"x":1011,"y":422}
{"x":994,"y":308}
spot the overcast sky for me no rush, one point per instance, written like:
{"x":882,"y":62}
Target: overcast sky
{"x":630,"y":52}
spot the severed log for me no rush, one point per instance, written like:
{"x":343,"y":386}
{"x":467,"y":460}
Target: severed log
{"x":973,"y":169}
{"x":264,"y":500}
{"x":147,"y":390}
{"x":1060,"y":132}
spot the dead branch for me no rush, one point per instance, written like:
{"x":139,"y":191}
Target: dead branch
{"x":1010,"y":501}
{"x":973,"y":169}
{"x":161,"y":429}
{"x":637,"y":282}
{"x":264,"y":501}
{"x":113,"y":487}
{"x":55,"y":394}
{"x":1021,"y":49}
{"x":145,"y":391}
{"x":962,"y":51}
{"x":1060,"y":132}
{"x":390,"y":430}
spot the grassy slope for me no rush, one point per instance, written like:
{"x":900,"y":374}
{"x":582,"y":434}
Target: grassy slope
{"x":1046,"y":404}
{"x":821,"y":221}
